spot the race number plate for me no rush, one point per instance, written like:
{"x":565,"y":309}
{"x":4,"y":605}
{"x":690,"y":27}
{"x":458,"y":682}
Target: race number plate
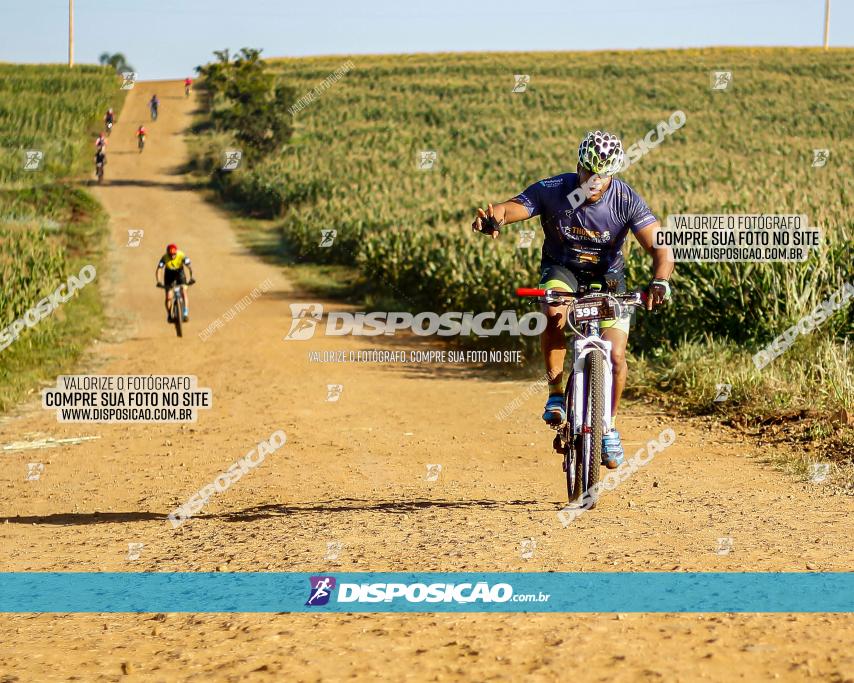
{"x":593,"y":308}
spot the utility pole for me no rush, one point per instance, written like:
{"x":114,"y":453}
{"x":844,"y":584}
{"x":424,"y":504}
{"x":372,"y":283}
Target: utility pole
{"x":70,"y":33}
{"x":826,"y":22}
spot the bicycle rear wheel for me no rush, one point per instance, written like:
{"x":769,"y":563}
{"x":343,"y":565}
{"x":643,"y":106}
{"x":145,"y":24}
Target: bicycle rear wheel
{"x":596,"y":404}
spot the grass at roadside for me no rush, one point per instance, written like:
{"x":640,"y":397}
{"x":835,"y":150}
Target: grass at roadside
{"x":327,"y":281}
{"x":804,"y":398}
{"x":49,"y":229}
{"x":76,"y":229}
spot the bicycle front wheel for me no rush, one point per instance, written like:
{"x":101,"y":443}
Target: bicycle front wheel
{"x":177,"y":313}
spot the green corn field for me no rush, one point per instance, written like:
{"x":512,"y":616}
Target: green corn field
{"x":353,"y":166}
{"x":52,"y":110}
{"x":48,"y":227}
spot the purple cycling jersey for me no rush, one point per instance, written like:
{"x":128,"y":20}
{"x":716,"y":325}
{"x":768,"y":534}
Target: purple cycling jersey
{"x":590,"y":237}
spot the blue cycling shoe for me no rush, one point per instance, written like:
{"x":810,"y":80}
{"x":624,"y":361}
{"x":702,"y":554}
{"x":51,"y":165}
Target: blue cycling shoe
{"x":612,"y":450}
{"x":555,"y":412}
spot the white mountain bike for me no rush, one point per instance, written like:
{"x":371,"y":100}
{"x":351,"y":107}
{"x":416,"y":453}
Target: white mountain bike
{"x":587,"y":400}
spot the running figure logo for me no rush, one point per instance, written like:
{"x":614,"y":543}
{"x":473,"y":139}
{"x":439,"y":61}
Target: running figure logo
{"x":527,"y":548}
{"x":327,"y":237}
{"x":34,"y":471}
{"x":135,"y":237}
{"x":333,"y":550}
{"x":426,"y":159}
{"x":723,"y":392}
{"x":231,"y":159}
{"x":721,"y":79}
{"x":724,"y":545}
{"x":820,"y":157}
{"x":33,"y":159}
{"x":305,"y":319}
{"x":819,"y":472}
{"x":333,"y":391}
{"x":321,"y":590}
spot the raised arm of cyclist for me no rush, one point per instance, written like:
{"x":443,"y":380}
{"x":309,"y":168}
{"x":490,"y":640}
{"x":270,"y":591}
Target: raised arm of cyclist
{"x":503,"y":213}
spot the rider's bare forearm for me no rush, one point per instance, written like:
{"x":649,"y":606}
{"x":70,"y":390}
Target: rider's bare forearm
{"x":510,"y":212}
{"x":662,"y":264}
{"x":504,"y":213}
{"x":157,"y":274}
{"x":662,"y":259}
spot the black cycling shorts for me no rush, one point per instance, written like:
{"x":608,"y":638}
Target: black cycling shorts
{"x":171,"y":277}
{"x":553,"y":273}
{"x":556,"y":276}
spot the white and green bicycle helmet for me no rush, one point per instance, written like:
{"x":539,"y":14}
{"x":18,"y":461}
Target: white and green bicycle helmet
{"x":601,"y":153}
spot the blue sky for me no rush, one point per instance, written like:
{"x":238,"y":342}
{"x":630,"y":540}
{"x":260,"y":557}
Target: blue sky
{"x":167,"y":38}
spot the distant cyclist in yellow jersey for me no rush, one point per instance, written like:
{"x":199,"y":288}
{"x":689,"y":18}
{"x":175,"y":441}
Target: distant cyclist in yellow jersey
{"x":173,"y":263}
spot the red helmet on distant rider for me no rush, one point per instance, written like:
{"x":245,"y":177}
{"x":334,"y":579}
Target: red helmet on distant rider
{"x":171,"y":249}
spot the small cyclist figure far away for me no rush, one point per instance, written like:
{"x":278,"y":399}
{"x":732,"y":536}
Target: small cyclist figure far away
{"x":100,"y":160}
{"x":582,"y":246}
{"x":101,"y":142}
{"x":172,"y":263}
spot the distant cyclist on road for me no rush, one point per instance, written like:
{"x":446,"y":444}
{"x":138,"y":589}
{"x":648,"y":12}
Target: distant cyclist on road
{"x":188,"y":82}
{"x":154,"y":104}
{"x":109,"y":120}
{"x":583,"y":245}
{"x":172,"y":263}
{"x":100,"y":142}
{"x":140,"y":136}
{"x":100,"y":159}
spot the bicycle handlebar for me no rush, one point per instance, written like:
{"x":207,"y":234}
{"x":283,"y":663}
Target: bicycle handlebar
{"x":551,"y":293}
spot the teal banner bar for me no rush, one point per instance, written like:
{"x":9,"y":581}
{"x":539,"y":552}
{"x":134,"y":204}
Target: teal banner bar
{"x":80,"y":592}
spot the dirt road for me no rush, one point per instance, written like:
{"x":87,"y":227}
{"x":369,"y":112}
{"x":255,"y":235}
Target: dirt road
{"x":353,"y":472}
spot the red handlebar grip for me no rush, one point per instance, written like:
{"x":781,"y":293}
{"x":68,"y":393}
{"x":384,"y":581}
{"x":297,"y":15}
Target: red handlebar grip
{"x":644,"y":296}
{"x":527,"y":291}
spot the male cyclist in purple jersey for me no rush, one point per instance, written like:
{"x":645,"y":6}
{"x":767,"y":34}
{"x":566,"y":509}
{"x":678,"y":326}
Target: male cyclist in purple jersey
{"x":583,"y":245}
